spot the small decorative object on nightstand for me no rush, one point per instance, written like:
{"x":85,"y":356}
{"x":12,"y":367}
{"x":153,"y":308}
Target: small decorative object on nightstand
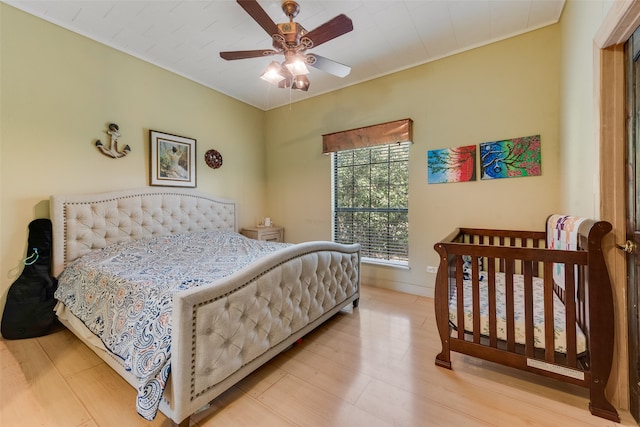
{"x":271,"y":234}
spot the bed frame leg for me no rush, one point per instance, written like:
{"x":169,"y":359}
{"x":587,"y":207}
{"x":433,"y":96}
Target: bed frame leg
{"x":607,"y":413}
{"x":441,"y":306}
{"x":356,"y":302}
{"x":599,"y":405}
{"x":443,"y":360}
{"x":601,"y":324}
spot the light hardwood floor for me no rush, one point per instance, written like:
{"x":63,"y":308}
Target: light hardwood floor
{"x":372,"y":366}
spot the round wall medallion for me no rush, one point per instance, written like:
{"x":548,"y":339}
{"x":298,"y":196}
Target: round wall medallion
{"x":213,"y":159}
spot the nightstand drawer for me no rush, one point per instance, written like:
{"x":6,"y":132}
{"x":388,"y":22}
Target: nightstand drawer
{"x":271,"y":234}
{"x":271,"y":237}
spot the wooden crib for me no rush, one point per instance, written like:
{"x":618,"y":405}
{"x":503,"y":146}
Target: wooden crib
{"x":517,"y":291}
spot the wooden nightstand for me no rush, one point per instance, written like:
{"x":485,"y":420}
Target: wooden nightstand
{"x":271,"y":234}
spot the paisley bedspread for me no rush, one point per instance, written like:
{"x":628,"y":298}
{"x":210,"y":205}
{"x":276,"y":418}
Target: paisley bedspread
{"x":559,"y":322}
{"x":123,"y":294}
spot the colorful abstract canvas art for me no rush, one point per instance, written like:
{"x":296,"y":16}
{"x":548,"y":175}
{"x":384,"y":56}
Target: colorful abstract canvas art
{"x":510,"y":158}
{"x":451,"y":165}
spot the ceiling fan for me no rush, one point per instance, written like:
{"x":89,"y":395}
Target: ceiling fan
{"x":292,"y":40}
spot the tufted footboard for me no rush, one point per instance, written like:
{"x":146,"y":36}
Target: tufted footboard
{"x":227,"y":331}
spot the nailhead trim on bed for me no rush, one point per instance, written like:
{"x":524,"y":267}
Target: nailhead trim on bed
{"x":90,"y":225}
{"x":263,"y":318}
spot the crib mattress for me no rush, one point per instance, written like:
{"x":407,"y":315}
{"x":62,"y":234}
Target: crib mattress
{"x":538,"y":313}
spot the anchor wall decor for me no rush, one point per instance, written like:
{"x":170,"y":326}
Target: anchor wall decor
{"x":112,"y":151}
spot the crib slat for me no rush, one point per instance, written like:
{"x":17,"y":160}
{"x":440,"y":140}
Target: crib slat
{"x":549,"y":335}
{"x":493,"y":323}
{"x":511,"y":340}
{"x":570,"y":310}
{"x":522,"y":244}
{"x":460,"y":297}
{"x":536,"y":268}
{"x":581,"y":301}
{"x":528,"y":309}
{"x":475,"y":284}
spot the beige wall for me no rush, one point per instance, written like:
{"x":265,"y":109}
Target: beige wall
{"x":579,"y":160}
{"x":59,"y":92}
{"x":504,"y":90}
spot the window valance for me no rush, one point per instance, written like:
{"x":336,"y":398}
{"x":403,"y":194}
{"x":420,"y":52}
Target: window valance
{"x":368,"y":136}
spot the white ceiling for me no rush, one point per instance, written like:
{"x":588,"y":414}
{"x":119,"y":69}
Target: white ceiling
{"x":186,"y":37}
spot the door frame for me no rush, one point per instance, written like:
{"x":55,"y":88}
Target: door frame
{"x":609,"y":72}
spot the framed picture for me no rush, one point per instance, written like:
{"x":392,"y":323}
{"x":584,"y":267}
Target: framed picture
{"x":173,"y":160}
{"x":511,"y":158}
{"x":451,"y":164}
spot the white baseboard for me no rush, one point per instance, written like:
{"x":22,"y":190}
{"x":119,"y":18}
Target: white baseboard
{"x":407,"y":288}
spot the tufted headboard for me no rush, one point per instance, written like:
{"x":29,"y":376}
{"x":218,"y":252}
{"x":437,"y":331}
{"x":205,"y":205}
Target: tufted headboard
{"x":86,"y":222}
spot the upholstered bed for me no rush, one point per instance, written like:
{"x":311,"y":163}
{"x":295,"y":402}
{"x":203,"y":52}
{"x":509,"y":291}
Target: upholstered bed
{"x":224,"y":304}
{"x":537,"y":301}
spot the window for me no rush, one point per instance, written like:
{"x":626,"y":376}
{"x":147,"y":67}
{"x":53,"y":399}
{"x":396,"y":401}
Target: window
{"x":371,"y":201}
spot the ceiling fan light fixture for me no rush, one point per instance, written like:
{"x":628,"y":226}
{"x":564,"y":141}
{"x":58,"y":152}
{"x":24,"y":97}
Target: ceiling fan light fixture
{"x":285,"y":83}
{"x":292,"y":40}
{"x":273,"y":73}
{"x":301,"y":82}
{"x":296,"y":65}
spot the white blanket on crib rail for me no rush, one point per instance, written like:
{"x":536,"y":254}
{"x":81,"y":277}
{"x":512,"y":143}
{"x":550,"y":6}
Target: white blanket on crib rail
{"x":560,"y":330}
{"x":562,"y":233}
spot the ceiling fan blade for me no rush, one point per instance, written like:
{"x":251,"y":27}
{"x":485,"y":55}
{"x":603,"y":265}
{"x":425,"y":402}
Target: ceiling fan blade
{"x":331,"y":29}
{"x":325,"y":64}
{"x":253,"y":8}
{"x":244,"y":54}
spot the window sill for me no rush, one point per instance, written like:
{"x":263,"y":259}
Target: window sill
{"x":393,"y":264}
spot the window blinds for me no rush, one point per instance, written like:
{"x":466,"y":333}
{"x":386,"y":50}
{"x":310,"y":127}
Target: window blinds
{"x":371,"y":200}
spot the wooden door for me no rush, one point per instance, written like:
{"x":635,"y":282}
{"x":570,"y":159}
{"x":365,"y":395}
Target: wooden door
{"x":632,"y":59}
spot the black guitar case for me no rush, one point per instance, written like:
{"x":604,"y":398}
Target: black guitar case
{"x":28,"y":311}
